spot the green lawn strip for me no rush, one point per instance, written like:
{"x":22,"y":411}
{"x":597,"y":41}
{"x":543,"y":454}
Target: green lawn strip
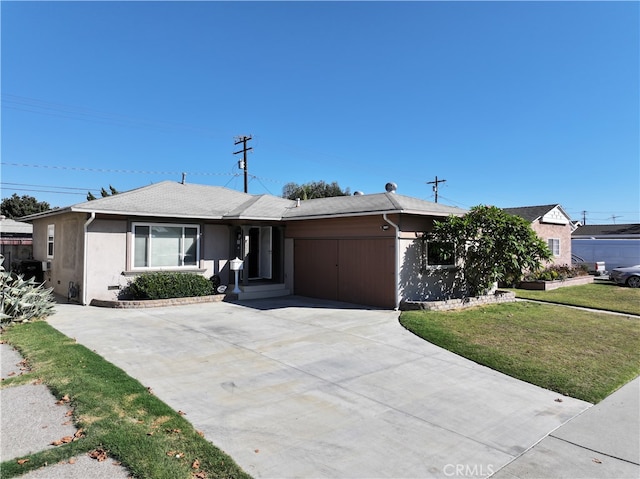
{"x":115,"y":412}
{"x":604,"y":296}
{"x":577,"y":353}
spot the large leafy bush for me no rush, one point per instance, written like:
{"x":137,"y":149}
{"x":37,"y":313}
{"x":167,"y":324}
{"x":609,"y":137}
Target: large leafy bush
{"x":166,"y":284}
{"x":23,"y":300}
{"x":491,"y":246}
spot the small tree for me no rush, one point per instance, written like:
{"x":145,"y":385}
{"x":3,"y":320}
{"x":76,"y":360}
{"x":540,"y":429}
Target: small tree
{"x":315,"y":189}
{"x":104,"y":193}
{"x":491,"y":246}
{"x":18,"y":206}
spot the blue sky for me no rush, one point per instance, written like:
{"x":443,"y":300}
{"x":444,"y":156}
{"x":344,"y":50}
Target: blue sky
{"x":512,"y":103}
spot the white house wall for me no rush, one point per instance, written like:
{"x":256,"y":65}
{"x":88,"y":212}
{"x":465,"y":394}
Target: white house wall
{"x":107,"y":259}
{"x":433,"y":284}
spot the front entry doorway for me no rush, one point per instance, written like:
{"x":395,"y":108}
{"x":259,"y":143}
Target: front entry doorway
{"x":259,"y":257}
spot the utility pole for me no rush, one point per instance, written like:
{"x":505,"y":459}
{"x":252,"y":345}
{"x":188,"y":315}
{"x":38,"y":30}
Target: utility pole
{"x":242,"y":164}
{"x":435,"y":186}
{"x":613,"y":217}
{"x":584,"y":217}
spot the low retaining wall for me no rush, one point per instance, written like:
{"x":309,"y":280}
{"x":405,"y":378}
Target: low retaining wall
{"x":500,"y":296}
{"x":155,"y":303}
{"x":549,"y":285}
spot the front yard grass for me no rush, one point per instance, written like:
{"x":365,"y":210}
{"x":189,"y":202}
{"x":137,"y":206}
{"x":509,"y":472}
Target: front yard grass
{"x":585,"y":355}
{"x":600,"y":295}
{"x":115,"y":412}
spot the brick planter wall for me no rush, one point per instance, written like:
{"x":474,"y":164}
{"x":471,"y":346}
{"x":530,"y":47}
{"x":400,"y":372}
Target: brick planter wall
{"x":500,"y":296}
{"x":549,"y":285}
{"x":156,"y":303}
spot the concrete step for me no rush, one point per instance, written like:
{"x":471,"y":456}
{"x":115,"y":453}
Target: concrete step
{"x":260,"y":291}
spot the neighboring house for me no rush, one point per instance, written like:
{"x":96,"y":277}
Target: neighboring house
{"x":616,"y":245}
{"x":16,"y":242}
{"x":365,"y":249}
{"x":553,"y":225}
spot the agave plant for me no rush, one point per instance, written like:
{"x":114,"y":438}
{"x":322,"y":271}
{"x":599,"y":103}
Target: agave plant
{"x":23,"y":300}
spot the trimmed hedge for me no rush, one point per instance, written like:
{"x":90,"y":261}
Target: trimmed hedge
{"x":167,"y":284}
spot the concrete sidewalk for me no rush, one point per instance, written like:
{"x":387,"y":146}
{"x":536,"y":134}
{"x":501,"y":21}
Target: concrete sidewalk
{"x":292,"y":387}
{"x":602,"y":442}
{"x":31,"y":420}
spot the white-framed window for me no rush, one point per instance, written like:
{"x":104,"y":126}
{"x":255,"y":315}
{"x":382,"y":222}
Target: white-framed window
{"x":554,"y":246}
{"x":161,"y":245}
{"x":436,"y":254}
{"x":51,"y":232}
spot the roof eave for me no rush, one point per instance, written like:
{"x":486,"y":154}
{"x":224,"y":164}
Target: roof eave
{"x":44,"y":214}
{"x":370,"y":213}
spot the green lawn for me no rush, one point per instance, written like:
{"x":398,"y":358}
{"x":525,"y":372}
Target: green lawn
{"x":599,"y":295}
{"x":580,"y":354}
{"x":115,"y":412}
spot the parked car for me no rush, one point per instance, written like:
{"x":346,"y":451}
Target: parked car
{"x":626,"y":276}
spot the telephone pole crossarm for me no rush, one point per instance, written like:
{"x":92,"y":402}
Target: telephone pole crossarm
{"x":435,"y":186}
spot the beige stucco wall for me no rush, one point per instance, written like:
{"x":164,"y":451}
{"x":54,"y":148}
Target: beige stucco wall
{"x":66,"y":264}
{"x":215,"y":252}
{"x":107,"y":245}
{"x":107,"y":259}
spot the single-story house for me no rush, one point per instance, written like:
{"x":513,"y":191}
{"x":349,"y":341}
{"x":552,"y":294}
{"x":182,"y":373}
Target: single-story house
{"x":616,"y":245}
{"x":553,"y":225}
{"x":16,"y":242}
{"x":364,"y":249}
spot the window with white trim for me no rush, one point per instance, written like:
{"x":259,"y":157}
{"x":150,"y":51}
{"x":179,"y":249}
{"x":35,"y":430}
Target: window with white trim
{"x":554,"y":246}
{"x":158,"y":245}
{"x":51,"y":229}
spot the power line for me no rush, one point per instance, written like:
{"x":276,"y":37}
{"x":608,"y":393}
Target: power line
{"x":455,"y":202}
{"x":49,"y":186}
{"x":111,"y":170}
{"x":60,"y":110}
{"x":49,"y":191}
{"x":139,"y":172}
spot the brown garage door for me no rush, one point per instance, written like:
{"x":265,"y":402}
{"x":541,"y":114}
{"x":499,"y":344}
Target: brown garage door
{"x":357,"y":271}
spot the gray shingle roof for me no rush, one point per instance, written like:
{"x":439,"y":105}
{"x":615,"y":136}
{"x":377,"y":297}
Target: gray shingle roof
{"x":368,"y":204}
{"x":261,"y":207}
{"x":169,"y":198}
{"x":530,"y":213}
{"x":177,"y":200}
{"x":608,"y":230}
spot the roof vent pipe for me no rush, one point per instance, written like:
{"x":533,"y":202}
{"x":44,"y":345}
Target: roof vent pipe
{"x":184,"y":177}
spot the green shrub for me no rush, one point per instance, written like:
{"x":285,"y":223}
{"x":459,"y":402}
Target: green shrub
{"x":166,"y":284}
{"x":23,"y":300}
{"x":556,"y":272}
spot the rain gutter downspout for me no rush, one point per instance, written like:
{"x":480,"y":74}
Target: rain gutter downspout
{"x":84,"y":257}
{"x":397,"y":265}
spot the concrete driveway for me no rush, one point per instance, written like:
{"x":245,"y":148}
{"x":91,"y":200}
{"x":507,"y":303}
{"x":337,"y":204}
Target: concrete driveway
{"x":294,"y":387}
